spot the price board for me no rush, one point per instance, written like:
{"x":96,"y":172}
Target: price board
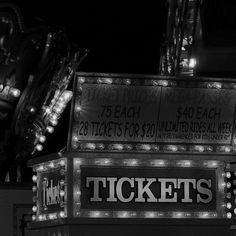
{"x":152,"y":110}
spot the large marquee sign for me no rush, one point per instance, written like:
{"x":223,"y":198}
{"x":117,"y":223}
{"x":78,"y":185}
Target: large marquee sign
{"x":158,"y":188}
{"x":148,"y":113}
{"x":111,"y":187}
{"x":133,"y":188}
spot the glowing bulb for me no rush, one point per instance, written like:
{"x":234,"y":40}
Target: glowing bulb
{"x":145,"y":147}
{"x":228,"y":205}
{"x":34,"y":178}
{"x":67,"y":95}
{"x":15,"y":92}
{"x":51,"y":165}
{"x":90,"y":146}
{"x":62,"y":162}
{"x":150,"y":214}
{"x":163,"y":83}
{"x":61,"y":105}
{"x":54,"y":122}
{"x":199,"y":148}
{"x":47,"y":110}
{"x":172,"y":148}
{"x":32,"y":109}
{"x":116,"y":146}
{"x":34,"y":208}
{"x":58,"y":109}
{"x":185,"y":163}
{"x":127,"y":81}
{"x":217,"y":85}
{"x":42,"y":138}
{"x":228,"y":175}
{"x":78,"y":108}
{"x":50,"y":216}
{"x":229,"y":215}
{"x":158,"y":163}
{"x":192,"y":62}
{"x":33,"y":217}
{"x":227,"y":149}
{"x":81,"y":80}
{"x":228,"y":185}
{"x":105,"y":80}
{"x":50,"y":129}
{"x":108,"y":80}
{"x":62,"y":214}
{"x":39,"y":147}
{"x":62,"y":193}
{"x":34,"y":188}
{"x":54,"y":116}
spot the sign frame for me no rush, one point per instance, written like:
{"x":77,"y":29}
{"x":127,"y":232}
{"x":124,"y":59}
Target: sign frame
{"x":150,"y":147}
{"x":218,"y":166}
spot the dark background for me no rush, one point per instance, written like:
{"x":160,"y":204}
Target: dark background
{"x":126,"y":37}
{"x":123,"y":38}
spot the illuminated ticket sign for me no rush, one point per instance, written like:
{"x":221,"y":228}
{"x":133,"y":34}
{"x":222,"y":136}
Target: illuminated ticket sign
{"x":160,"y":188}
{"x":156,"y":112}
{"x":109,"y":187}
{"x":150,"y":188}
{"x":51,"y":191}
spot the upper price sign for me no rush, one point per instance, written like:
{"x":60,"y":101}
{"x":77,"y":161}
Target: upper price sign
{"x":152,"y":113}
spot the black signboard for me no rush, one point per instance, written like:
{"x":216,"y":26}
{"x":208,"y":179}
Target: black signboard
{"x":146,"y":188}
{"x":51,"y":191}
{"x":111,"y":109}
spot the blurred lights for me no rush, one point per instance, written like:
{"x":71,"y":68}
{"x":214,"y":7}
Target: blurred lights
{"x":39,"y":147}
{"x":229,"y":205}
{"x":81,"y":80}
{"x":50,"y":129}
{"x":15,"y":92}
{"x":228,"y":185}
{"x":228,"y":174}
{"x":229,"y":215}
{"x":34,"y":208}
{"x":67,"y":95}
{"x":192,"y":62}
{"x":62,"y":214}
{"x":34,"y":178}
{"x":34,"y":188}
{"x":42,"y":138}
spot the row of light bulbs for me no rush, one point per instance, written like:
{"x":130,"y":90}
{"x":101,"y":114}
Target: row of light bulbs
{"x":145,"y":214}
{"x":231,"y":194}
{"x":53,"y":112}
{"x":157,"y":82}
{"x":149,"y":162}
{"x":148,"y":147}
{"x":7,"y":90}
{"x":51,"y":216}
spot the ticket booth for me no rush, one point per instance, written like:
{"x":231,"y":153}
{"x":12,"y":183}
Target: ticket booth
{"x":145,"y":155}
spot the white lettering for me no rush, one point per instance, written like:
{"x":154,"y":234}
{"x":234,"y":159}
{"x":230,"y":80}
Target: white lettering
{"x":145,"y":189}
{"x":96,"y":181}
{"x":203,"y":190}
{"x":186,"y":183}
{"x":119,"y":189}
{"x":166,"y":192}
